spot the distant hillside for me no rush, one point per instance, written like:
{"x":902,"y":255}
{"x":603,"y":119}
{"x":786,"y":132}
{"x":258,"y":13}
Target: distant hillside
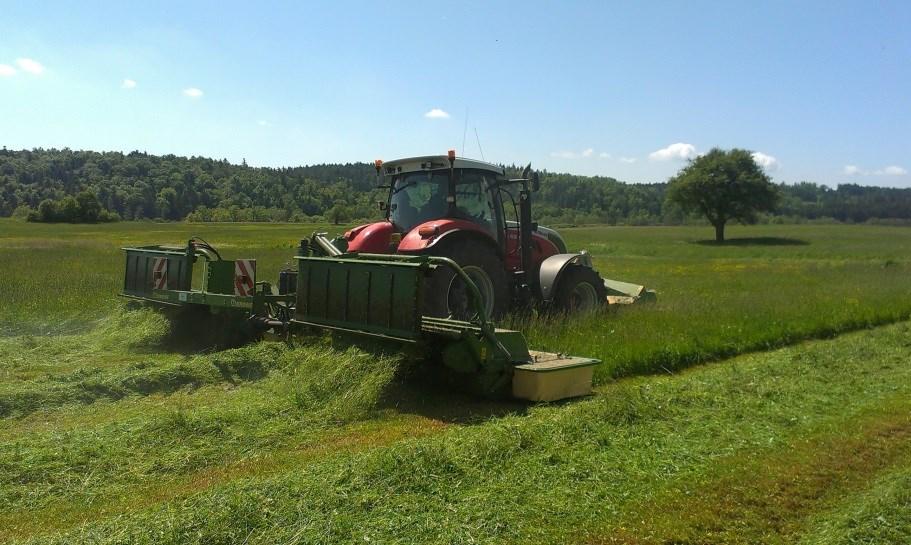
{"x":141,"y":186}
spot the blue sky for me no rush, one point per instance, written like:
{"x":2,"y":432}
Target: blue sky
{"x":821,"y":89}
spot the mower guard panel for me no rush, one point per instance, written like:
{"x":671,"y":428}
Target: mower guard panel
{"x":552,"y":268}
{"x":618,"y":292}
{"x":624,"y":293}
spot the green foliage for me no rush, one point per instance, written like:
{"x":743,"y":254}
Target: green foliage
{"x":21,"y":212}
{"x":83,"y":208}
{"x":723,"y":186}
{"x":142,"y":186}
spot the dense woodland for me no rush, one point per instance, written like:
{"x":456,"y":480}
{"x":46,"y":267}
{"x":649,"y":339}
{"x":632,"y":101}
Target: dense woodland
{"x":66,"y":185}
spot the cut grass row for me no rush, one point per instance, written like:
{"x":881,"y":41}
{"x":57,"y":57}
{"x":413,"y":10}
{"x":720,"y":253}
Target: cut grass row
{"x":127,"y":355}
{"x":879,"y":515}
{"x":561,"y":473}
{"x":62,"y":457}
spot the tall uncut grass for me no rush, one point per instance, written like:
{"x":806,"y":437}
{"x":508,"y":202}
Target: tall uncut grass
{"x":769,"y":286}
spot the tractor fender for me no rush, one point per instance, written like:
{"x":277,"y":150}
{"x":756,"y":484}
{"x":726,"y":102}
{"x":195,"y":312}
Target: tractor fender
{"x":373,"y":238}
{"x":424,"y":237}
{"x":552,"y":268}
{"x":482,"y":237}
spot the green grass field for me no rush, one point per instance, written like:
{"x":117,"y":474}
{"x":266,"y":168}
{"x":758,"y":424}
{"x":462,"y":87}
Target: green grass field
{"x":799,"y":432}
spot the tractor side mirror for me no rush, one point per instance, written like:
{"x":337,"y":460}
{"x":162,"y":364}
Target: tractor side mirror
{"x":535,"y":181}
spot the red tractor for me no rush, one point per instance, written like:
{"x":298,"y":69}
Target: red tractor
{"x":470,"y":212}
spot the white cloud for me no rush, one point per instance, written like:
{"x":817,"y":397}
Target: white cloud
{"x":437,"y":113}
{"x":128,"y":84}
{"x":586,"y":153}
{"x":604,"y":155}
{"x":31,"y":66}
{"x":192,"y":92}
{"x":7,"y":71}
{"x":679,"y":150}
{"x":891,"y":170}
{"x":627,"y":160}
{"x":766,"y":161}
{"x":263,"y":123}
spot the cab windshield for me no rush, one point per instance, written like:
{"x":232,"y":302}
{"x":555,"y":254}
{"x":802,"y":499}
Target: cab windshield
{"x":418,"y":197}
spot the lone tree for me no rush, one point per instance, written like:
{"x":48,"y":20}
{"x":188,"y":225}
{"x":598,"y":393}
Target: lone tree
{"x":723,"y":186}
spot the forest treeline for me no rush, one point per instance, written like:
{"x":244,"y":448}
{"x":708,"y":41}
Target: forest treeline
{"x":67,"y":185}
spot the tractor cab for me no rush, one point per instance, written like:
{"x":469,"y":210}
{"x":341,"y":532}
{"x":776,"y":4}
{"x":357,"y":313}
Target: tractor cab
{"x":419,"y":191}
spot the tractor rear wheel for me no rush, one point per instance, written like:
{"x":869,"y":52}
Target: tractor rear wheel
{"x":447,"y":296}
{"x":580,"y":290}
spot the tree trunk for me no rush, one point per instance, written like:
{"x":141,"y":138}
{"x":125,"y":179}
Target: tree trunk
{"x":719,"y":232}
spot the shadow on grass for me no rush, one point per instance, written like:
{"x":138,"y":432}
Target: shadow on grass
{"x":423,"y":386}
{"x":450,"y":406}
{"x":754,"y":241}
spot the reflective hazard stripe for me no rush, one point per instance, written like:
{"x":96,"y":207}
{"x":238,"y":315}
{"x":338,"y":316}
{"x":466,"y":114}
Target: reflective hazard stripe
{"x":160,"y":273}
{"x":244,"y":277}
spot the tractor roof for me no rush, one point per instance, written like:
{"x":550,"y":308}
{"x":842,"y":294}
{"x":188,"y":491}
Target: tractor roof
{"x":429,"y":162}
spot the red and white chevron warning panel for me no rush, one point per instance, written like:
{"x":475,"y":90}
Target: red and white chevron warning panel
{"x":160,"y":273}
{"x":244,"y":277}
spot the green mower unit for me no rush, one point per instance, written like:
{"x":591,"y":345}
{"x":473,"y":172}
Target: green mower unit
{"x":163,"y":275}
{"x":379,"y":296}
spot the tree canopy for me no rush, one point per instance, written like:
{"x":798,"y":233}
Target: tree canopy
{"x":142,"y":186}
{"x":723,"y":186}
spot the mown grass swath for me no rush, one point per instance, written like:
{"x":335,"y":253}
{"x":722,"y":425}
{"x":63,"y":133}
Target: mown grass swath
{"x":568,"y":472}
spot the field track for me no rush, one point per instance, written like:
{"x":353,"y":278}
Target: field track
{"x":109,"y":436}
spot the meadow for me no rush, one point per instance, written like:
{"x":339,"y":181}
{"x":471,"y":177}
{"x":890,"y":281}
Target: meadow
{"x":769,"y":286}
{"x":802,"y":433}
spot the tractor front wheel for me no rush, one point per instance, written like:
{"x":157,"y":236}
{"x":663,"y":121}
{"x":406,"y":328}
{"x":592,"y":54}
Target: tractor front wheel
{"x":580,"y":289}
{"x":447,"y":296}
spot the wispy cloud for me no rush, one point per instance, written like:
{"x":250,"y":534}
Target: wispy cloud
{"x":891,"y":170}
{"x":192,"y":92}
{"x":7,"y":71}
{"x":568,"y":154}
{"x":30,"y":65}
{"x":604,"y":155}
{"x":437,"y":113}
{"x":128,"y":84}
{"x":680,"y":150}
{"x":629,"y":160}
{"x":765,"y":161}
{"x":263,"y":123}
